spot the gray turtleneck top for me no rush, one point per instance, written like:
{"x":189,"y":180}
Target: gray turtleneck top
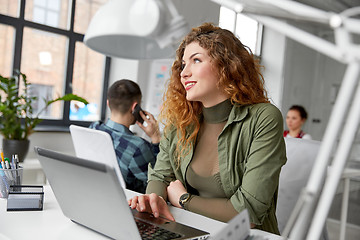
{"x":203,"y":171}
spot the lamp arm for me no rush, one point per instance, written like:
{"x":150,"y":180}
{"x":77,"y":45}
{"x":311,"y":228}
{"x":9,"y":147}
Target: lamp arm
{"x":175,"y":29}
{"x":172,"y":9}
{"x":278,"y":8}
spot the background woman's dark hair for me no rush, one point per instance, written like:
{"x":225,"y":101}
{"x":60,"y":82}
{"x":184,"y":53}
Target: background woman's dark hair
{"x":122,"y":94}
{"x":301,"y":110}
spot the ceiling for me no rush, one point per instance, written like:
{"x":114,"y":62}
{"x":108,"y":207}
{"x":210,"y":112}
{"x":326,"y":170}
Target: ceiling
{"x":336,"y":6}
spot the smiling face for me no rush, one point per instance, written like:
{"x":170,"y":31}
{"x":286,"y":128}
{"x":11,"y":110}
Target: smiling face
{"x":294,"y":120}
{"x":199,"y":77}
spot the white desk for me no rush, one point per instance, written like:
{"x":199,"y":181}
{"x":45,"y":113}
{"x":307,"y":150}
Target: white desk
{"x":32,"y":173}
{"x":52,"y":224}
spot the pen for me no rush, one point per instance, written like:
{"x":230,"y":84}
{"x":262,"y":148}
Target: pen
{"x":13,"y":165}
{"x":16,"y":161}
{"x":9,"y":174}
{"x":7,"y":163}
{"x":5,"y":167}
{"x":5,"y":182}
{"x":2,"y":159}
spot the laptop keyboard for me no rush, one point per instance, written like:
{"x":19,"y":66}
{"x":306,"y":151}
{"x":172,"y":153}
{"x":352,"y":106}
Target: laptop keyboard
{"x":149,"y":231}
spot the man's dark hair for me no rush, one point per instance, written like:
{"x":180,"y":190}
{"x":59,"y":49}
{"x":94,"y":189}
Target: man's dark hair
{"x":122,"y":94}
{"x":300,"y":109}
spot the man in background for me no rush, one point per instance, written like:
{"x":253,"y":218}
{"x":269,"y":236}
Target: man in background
{"x":133,"y":153}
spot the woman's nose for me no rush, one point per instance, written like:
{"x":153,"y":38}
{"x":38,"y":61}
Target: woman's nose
{"x":185,"y":72}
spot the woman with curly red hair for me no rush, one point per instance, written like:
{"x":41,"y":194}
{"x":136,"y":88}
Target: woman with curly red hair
{"x":223,"y":145}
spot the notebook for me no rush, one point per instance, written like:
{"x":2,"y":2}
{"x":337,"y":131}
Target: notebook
{"x":89,"y":193}
{"x":95,"y":145}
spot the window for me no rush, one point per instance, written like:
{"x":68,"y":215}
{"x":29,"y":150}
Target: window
{"x":9,"y":7}
{"x":54,"y":13}
{"x":42,"y":92}
{"x":7,"y":34}
{"x":45,"y":41}
{"x":246,"y":29}
{"x":47,"y":12}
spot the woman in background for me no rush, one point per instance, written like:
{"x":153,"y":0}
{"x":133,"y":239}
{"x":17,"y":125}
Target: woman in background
{"x":295,"y":119}
{"x":223,"y":144}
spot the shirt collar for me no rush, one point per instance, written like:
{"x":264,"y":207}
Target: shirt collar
{"x":238,"y":112}
{"x":118,"y":127}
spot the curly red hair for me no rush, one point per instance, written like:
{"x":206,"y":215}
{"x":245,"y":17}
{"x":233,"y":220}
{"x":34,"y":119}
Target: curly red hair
{"x":239,"y":75}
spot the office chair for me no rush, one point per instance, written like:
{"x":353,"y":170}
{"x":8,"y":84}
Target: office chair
{"x":301,"y":155}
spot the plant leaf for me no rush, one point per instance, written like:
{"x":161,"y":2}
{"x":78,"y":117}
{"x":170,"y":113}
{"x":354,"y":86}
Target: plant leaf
{"x":68,"y":97}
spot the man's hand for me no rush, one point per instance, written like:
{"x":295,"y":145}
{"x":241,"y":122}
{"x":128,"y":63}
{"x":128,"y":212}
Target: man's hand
{"x":152,"y":126}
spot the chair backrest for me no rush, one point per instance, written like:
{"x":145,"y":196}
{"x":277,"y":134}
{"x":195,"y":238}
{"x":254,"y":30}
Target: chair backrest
{"x":95,"y":145}
{"x":301,"y":155}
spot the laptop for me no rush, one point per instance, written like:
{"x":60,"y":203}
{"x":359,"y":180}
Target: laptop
{"x":95,"y":145}
{"x":89,"y":193}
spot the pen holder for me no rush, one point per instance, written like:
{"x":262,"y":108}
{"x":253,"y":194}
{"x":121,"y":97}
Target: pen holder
{"x":9,"y":177}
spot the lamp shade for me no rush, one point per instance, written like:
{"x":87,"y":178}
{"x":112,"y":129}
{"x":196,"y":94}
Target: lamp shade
{"x":130,"y":29}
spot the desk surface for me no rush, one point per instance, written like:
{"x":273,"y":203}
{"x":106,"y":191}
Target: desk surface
{"x":52,"y":224}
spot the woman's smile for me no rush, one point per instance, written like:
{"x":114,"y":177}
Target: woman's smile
{"x":189,"y":85}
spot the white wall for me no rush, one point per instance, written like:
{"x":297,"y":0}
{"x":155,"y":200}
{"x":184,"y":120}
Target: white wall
{"x":59,"y":141}
{"x":123,"y":68}
{"x":272,"y":58}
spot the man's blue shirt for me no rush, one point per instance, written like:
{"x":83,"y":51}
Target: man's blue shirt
{"x":133,"y":153}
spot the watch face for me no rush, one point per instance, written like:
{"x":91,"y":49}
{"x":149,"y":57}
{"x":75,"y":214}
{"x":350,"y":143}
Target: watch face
{"x":185,"y":197}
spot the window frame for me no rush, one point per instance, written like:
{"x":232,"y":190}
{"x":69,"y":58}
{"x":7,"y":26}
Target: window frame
{"x":259,"y":35}
{"x":19,"y":23}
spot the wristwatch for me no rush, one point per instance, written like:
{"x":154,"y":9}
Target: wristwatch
{"x":184,"y":199}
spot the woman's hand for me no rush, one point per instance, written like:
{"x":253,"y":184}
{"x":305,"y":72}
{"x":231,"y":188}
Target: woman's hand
{"x":152,"y":127}
{"x":151,"y":203}
{"x":174,"y":191}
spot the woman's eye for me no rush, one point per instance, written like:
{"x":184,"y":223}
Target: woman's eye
{"x":196,"y":60}
{"x":182,"y":66}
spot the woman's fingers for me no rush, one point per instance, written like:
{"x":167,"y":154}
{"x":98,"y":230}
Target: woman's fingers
{"x":159,"y":207}
{"x":142,"y":203}
{"x":133,"y":202}
{"x":167,"y":214}
{"x":151,"y":203}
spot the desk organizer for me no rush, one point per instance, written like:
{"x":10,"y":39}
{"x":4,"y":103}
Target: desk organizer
{"x":9,"y":177}
{"x":25,"y":198}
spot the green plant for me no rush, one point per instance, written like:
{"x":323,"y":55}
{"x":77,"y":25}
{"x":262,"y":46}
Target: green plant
{"x":16,"y":109}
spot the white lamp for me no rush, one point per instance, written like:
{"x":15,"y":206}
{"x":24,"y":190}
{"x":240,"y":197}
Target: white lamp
{"x":136,"y":29}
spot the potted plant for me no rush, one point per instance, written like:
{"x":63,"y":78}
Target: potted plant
{"x":17,"y":121}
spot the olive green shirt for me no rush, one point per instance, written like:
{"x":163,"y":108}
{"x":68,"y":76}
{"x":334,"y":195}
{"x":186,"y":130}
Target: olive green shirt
{"x":251,"y":152}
